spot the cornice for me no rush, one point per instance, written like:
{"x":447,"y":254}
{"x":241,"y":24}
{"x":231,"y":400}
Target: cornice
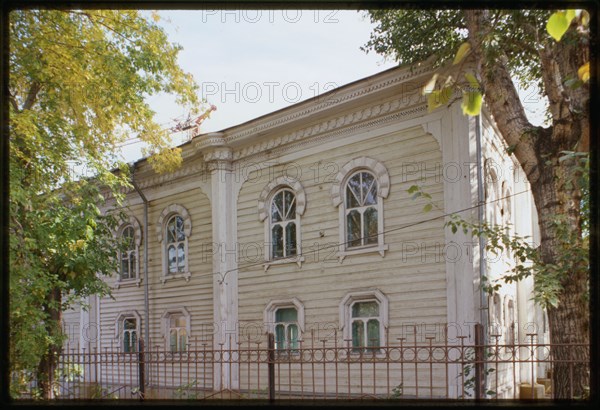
{"x":337,"y":97}
{"x":351,"y":119}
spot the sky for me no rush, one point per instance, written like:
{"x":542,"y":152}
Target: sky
{"x":252,"y":62}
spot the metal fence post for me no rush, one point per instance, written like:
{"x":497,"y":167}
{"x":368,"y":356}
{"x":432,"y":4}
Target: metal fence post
{"x":479,"y":363}
{"x":271,"y":366}
{"x":141,"y":368}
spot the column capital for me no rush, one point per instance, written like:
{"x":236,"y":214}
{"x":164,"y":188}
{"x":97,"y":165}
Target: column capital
{"x":217,"y":154}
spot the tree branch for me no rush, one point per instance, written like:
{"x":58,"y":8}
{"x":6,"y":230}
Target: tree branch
{"x":502,"y":98}
{"x":32,"y":95}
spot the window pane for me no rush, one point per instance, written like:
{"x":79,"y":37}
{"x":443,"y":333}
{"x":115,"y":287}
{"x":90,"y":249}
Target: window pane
{"x":173,"y":340}
{"x":180,"y":321}
{"x":129,"y":324}
{"x":133,"y":341}
{"x":292,"y":336}
{"x":277,"y":208}
{"x":290,"y":239}
{"x":132,"y":261}
{"x":353,"y":229}
{"x":128,"y":238}
{"x":365,"y":309}
{"x":180,"y":233}
{"x":171,"y":237}
{"x":277,"y":239}
{"x":124,"y":267}
{"x":290,"y":205}
{"x":286,"y":315}
{"x":353,"y":192}
{"x":181,"y":257}
{"x":368,"y":189}
{"x":370,"y":218}
{"x":373,"y":333}
{"x":358,"y":333}
{"x":182,"y":340}
{"x":126,"y":342}
{"x":172,"y":259}
{"x":279,"y":337}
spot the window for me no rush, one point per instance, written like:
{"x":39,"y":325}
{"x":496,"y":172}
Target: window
{"x":175,"y":244}
{"x":127,"y":330}
{"x":365,"y":324}
{"x":128,"y":254}
{"x":283,"y":224}
{"x":510,"y":322}
{"x":130,"y":335}
{"x":280,"y":206}
{"x":359,"y":190}
{"x":286,"y":328}
{"x":129,"y":235}
{"x":285,"y":319}
{"x":364,"y":319}
{"x":173,"y":230}
{"x":176,"y":329}
{"x":361,"y":210}
{"x":177,"y":333}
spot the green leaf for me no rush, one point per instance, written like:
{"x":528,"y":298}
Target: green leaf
{"x":427,"y":208}
{"x":430,"y":86}
{"x":558,"y":24}
{"x":462,"y":52}
{"x":584,"y":72}
{"x":412,"y":189}
{"x":471,"y":103}
{"x":473,"y":83}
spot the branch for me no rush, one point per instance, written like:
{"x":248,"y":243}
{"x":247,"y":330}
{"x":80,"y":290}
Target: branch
{"x":13,"y":101}
{"x":32,"y":95}
{"x":502,"y":98}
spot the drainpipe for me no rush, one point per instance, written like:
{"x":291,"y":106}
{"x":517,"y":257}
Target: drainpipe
{"x":146,"y":279}
{"x":483,"y":308}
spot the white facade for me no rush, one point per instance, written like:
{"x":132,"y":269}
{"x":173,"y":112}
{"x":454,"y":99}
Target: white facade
{"x":220,"y":274}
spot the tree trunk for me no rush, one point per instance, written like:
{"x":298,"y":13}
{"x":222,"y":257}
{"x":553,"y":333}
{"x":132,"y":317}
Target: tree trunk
{"x":569,"y":321}
{"x":47,"y":366}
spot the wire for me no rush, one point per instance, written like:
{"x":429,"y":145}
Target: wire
{"x":336,"y":245}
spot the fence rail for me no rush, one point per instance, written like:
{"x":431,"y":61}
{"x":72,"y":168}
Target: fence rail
{"x":315,"y":369}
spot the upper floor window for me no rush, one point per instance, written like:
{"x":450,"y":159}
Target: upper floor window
{"x":128,"y":254}
{"x":361,"y":210}
{"x":129,"y":235}
{"x":176,"y":245}
{"x":358,"y":191}
{"x":173,"y":230}
{"x":280,"y":206}
{"x":284,"y":224}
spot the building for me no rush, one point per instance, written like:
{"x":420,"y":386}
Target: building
{"x":300,"y":222}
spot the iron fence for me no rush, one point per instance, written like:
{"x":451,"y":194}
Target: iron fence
{"x":314,"y":369}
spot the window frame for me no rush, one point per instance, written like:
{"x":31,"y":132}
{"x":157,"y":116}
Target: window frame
{"x":166,"y":326}
{"x":120,"y":331}
{"x":137,"y":236}
{"x":265,"y":200}
{"x":270,"y":323}
{"x":339,"y":192}
{"x":346,"y":318}
{"x":165,"y":217}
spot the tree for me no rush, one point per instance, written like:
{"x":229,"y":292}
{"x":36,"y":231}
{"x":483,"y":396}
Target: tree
{"x":78,"y":80}
{"x":526,"y":47}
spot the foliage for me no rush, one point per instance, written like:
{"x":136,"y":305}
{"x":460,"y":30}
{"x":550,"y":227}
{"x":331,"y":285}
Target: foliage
{"x":187,"y":391}
{"x":468,"y":373}
{"x":397,"y":392}
{"x":78,"y":83}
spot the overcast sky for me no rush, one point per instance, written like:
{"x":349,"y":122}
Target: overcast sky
{"x":252,"y":62}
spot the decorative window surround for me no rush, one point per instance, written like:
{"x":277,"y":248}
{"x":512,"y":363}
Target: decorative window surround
{"x":137,"y":229}
{"x":119,"y":321}
{"x":345,"y":309}
{"x":161,"y":231}
{"x":264,"y":211}
{"x":269,"y":313}
{"x":166,"y":328}
{"x":338,"y":194}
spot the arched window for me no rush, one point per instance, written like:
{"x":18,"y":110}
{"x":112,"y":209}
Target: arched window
{"x":175,"y":244}
{"x":173,"y":230}
{"x":359,"y":190}
{"x":128,"y":268}
{"x":129,"y":236}
{"x":280,"y":206}
{"x":361,"y":210}
{"x":283,"y":224}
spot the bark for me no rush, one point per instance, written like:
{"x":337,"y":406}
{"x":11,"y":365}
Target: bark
{"x":538,"y":150}
{"x":47,"y":366}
